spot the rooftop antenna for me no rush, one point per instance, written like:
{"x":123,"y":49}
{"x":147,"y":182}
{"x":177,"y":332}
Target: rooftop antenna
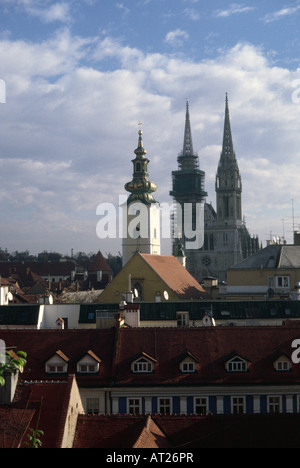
{"x":283,"y":233}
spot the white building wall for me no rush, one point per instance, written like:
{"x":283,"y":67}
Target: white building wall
{"x":55,"y":311}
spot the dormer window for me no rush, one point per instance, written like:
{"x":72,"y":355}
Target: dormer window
{"x":283,"y":366}
{"x":144,"y":364}
{"x":236,"y":363}
{"x":187,"y":367}
{"x":282,"y":363}
{"x":89,"y":364}
{"x":57,"y":364}
{"x":187,"y":363}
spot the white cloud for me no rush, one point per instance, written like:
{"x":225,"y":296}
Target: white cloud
{"x":123,"y":8}
{"x":46,"y":11}
{"x":69,"y":129}
{"x":235,"y":8}
{"x":192,"y":14}
{"x":277,"y":15}
{"x":176,"y":37}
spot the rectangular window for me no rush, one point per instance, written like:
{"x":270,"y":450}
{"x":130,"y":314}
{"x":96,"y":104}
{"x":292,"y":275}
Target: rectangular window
{"x":201,"y":405}
{"x":283,"y":366}
{"x":134,"y":406}
{"x":274,"y":404}
{"x":182,"y":319}
{"x":56,"y":369}
{"x":237,"y":365}
{"x":164,"y":406}
{"x":142,"y":366}
{"x":283,"y":282}
{"x":92,"y":406}
{"x":238,"y":405}
{"x":87,"y":368}
{"x":271,"y":282}
{"x":188,"y":367}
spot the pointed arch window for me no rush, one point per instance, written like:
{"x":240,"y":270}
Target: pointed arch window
{"x":211,"y":242}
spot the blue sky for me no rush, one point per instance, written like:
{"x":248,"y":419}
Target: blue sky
{"x":79,"y":77}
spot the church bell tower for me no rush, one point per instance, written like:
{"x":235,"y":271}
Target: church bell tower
{"x":141,"y":211}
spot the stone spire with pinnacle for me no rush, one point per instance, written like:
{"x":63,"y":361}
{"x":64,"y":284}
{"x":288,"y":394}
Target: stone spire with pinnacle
{"x":228,"y":157}
{"x":228,"y":179}
{"x":188,"y":159}
{"x":188,"y":141}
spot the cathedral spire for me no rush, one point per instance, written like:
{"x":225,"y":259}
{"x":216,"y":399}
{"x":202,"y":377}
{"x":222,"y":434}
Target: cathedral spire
{"x":227,"y":149}
{"x":188,"y":141}
{"x":187,"y":159}
{"x":228,"y":179}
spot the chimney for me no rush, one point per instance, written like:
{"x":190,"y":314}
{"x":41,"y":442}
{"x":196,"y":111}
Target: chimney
{"x":7,"y":392}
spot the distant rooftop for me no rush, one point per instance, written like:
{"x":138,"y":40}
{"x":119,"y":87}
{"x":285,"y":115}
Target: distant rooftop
{"x":272,"y":256}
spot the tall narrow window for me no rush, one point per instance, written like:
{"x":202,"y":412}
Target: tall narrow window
{"x":92,"y":406}
{"x":182,"y":319}
{"x":211,"y":242}
{"x":164,"y":406}
{"x":226,"y":202}
{"x":274,"y":404}
{"x":201,"y":405}
{"x":238,"y":405}
{"x":134,"y":406}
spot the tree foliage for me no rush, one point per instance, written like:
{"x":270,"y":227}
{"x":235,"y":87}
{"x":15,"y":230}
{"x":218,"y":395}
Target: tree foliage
{"x":13,"y":362}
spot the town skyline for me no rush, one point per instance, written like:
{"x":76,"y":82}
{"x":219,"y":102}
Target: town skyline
{"x":79,"y":78}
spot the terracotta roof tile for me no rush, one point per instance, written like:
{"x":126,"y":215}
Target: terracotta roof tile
{"x":40,"y":345}
{"x":116,"y":431}
{"x":210,"y":347}
{"x":99,"y":264}
{"x":175,"y":276}
{"x":231,"y":431}
{"x":13,"y":425}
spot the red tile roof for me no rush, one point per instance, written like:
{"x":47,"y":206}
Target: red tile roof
{"x":41,"y":345}
{"x":37,"y":404}
{"x":175,"y":276}
{"x":38,"y":268}
{"x":209,"y":346}
{"x":13,"y":425}
{"x":99,"y":264}
{"x":231,"y":431}
{"x":116,"y":431}
{"x":52,"y":397}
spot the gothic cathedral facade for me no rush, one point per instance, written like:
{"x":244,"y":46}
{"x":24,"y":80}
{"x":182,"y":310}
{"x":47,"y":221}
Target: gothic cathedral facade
{"x":226,"y":240}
